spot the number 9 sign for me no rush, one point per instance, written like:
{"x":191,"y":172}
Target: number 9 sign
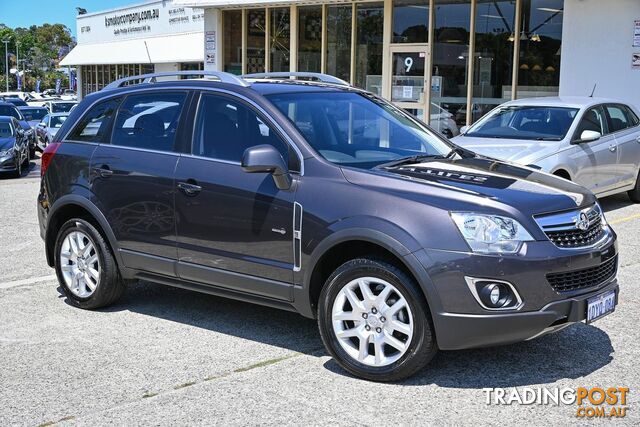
{"x":408,"y":63}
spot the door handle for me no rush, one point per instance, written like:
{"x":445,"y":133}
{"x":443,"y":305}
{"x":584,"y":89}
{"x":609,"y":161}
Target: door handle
{"x":613,"y":148}
{"x":190,"y":188}
{"x":103,"y":171}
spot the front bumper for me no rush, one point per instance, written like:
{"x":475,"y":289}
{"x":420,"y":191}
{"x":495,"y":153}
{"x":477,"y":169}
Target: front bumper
{"x":461,"y":322}
{"x":8,"y":164}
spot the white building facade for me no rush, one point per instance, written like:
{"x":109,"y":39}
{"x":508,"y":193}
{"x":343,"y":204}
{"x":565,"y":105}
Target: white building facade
{"x":476,"y":54}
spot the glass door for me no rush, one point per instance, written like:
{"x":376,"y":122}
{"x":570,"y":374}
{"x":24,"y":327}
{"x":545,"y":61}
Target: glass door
{"x":408,"y":77}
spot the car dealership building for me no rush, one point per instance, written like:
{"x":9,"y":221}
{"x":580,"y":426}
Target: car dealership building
{"x":476,"y":54}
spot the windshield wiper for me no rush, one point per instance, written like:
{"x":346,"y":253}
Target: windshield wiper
{"x":411,"y":159}
{"x":548,"y":138}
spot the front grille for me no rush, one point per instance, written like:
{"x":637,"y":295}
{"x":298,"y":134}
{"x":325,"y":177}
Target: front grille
{"x":562,"y":228}
{"x":576,"y":238}
{"x":585,"y":278}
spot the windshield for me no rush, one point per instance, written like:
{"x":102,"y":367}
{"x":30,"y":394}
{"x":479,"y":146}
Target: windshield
{"x":525,"y":122}
{"x":353,"y":129}
{"x":11,"y":111}
{"x":6,"y":130}
{"x":56,"y":121}
{"x":35,"y":113}
{"x":61,"y":107}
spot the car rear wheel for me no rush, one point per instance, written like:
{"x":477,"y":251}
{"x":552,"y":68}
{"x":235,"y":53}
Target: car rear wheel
{"x":85,"y":266}
{"x":374,"y":321}
{"x":634,"y":194}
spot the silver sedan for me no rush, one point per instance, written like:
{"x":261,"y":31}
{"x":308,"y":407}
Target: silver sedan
{"x":592,"y":141}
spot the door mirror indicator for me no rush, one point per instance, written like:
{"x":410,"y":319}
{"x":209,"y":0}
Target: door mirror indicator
{"x":266,"y":159}
{"x":589,"y":136}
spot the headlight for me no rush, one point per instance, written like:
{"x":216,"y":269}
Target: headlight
{"x":491,"y":234}
{"x":28,"y":132}
{"x":5,"y":153}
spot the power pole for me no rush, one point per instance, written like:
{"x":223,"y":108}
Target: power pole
{"x":6,"y":61}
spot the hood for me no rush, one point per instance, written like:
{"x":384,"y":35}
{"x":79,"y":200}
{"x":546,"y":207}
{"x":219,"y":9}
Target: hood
{"x":6,"y":143}
{"x":523,"y":151}
{"x":24,"y":125}
{"x":476,"y":183}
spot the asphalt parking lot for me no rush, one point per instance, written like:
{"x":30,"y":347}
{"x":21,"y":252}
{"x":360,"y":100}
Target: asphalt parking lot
{"x":166,"y":356}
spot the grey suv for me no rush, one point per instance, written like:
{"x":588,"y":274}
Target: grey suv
{"x":309,"y":195}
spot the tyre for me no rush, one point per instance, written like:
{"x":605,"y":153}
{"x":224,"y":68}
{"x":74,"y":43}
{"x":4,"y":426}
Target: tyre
{"x":85,"y":266}
{"x":375,"y":322}
{"x":27,"y":159}
{"x":18,"y":172}
{"x":634,"y":194}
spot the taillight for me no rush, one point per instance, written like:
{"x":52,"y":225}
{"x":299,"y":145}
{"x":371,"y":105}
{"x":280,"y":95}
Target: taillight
{"x":47,"y":156}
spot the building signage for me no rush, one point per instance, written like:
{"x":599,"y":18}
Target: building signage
{"x":147,"y":20}
{"x":636,"y":33}
{"x":210,"y":47}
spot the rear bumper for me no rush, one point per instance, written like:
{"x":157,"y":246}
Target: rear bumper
{"x":459,"y":331}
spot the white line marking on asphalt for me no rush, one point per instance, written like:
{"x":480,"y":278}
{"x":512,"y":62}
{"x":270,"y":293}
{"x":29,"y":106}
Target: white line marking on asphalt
{"x":30,"y":281}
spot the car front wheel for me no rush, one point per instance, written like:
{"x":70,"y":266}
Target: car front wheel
{"x":375,"y":322}
{"x":85,"y":266}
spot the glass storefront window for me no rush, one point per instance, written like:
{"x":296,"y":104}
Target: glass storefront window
{"x":232,"y":41}
{"x":339,"y":41}
{"x":256,"y":26}
{"x":493,"y":56}
{"x":540,"y":46}
{"x":410,"y":21}
{"x":280,"y":34}
{"x":449,"y":65}
{"x":310,"y":38}
{"x":369,"y":23}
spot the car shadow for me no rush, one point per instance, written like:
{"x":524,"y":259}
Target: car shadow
{"x":613,"y":203}
{"x":571,"y":353}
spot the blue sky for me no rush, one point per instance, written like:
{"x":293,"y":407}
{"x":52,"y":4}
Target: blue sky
{"x":23,"y":13}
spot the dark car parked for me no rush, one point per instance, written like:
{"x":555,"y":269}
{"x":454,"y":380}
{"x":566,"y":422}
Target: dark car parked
{"x":9,"y":110}
{"x":324,"y":199}
{"x":33,"y":115}
{"x":14,"y":148}
{"x":15,"y":101}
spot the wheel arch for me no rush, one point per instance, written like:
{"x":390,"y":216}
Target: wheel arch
{"x":562,"y":172}
{"x":342,"y":246}
{"x":74,"y":206}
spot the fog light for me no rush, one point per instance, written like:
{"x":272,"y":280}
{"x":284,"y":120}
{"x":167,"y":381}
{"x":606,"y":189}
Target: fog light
{"x":494,"y":295}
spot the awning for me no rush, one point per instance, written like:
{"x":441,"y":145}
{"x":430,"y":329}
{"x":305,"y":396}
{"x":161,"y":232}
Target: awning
{"x":239,"y":3}
{"x":173,"y":48}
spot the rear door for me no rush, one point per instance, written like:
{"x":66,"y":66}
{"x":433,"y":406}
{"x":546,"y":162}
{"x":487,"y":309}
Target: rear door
{"x":234,"y":228}
{"x":625,"y":127}
{"x":596,"y":161}
{"x":133,"y":178}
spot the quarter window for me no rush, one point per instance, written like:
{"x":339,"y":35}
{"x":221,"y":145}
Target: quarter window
{"x":95,"y":124}
{"x":149,"y":121}
{"x":618,"y":117}
{"x":226,"y":128}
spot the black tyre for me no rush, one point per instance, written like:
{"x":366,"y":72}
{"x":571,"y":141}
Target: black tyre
{"x":85,"y":266}
{"x":375,"y":322}
{"x":18,"y":172}
{"x":25,"y":164}
{"x":634,"y":194}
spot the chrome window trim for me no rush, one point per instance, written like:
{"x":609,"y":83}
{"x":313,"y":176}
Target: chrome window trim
{"x":471,"y":283}
{"x":211,"y":159}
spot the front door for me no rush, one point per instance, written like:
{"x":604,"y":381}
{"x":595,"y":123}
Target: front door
{"x":408,"y":77}
{"x":234,"y":228}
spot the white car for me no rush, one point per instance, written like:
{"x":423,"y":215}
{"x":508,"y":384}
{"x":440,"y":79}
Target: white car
{"x":443,"y":121}
{"x":59,"y":106}
{"x":592,"y":141}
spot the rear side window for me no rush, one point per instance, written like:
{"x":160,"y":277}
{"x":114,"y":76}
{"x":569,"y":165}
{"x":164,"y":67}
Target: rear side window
{"x":226,"y":128}
{"x":94,"y":126}
{"x":618,"y":117}
{"x":149,"y":121}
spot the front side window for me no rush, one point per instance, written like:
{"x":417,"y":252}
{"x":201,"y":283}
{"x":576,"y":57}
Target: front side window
{"x":225,"y":128}
{"x":355,"y":129}
{"x":593,"y":120}
{"x":526,"y":122}
{"x":6,"y":130}
{"x":10,"y":110}
{"x":149,"y":121}
{"x":95,"y":124}
{"x":619,"y":118}
{"x":61,"y":107}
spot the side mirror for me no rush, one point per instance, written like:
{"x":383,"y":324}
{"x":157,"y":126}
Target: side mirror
{"x":266,"y":159}
{"x":588,"y":136}
{"x":464,"y":130}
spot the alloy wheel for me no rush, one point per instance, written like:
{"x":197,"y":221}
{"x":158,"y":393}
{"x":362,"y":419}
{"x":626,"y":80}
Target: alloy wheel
{"x":372,"y":321}
{"x":80,"y":264}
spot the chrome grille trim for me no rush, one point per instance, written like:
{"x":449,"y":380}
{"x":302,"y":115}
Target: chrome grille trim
{"x":561,"y":230}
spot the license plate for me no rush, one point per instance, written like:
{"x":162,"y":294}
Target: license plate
{"x":600,"y":305}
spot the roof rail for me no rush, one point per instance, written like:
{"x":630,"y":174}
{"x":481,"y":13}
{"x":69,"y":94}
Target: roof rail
{"x":152,"y":78}
{"x":324,"y":78}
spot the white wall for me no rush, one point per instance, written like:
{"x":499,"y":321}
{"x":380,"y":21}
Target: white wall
{"x":597,"y":39}
{"x":166,"y":67}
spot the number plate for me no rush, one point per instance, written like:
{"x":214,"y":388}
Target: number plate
{"x":600,"y":305}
